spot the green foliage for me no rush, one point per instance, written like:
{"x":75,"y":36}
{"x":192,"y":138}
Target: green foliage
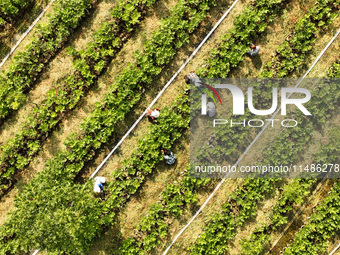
{"x":323,"y":225}
{"x":257,"y":241}
{"x":48,"y":39}
{"x":166,"y":130}
{"x":60,"y":217}
{"x":124,"y":94}
{"x":244,"y":200}
{"x":294,"y":193}
{"x":227,"y":141}
{"x":64,"y":97}
{"x":250,"y":24}
{"x":334,"y":72}
{"x":291,"y":55}
{"x":9,"y":9}
{"x":240,"y":207}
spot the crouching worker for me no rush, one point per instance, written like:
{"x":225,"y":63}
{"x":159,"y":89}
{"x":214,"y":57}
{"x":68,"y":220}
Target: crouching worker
{"x":254,"y":50}
{"x":193,"y":79}
{"x":152,"y":114}
{"x":98,"y":186}
{"x":169,"y":157}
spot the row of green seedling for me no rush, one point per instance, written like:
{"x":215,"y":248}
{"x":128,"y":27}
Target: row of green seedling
{"x":101,"y":125}
{"x":27,"y":65}
{"x":293,"y":195}
{"x":19,"y":151}
{"x":300,"y":42}
{"x":153,"y":229}
{"x":283,"y":151}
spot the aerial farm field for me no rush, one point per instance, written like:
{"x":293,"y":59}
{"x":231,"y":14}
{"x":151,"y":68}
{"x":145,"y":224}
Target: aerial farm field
{"x":78,"y":86}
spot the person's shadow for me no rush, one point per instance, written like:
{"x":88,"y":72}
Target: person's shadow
{"x":256,"y":60}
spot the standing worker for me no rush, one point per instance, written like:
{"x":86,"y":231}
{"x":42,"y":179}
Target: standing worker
{"x":254,"y":50}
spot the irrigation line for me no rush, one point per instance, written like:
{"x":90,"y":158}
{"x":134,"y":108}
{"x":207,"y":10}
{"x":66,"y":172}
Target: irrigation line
{"x":25,"y":34}
{"x":249,"y":147}
{"x":161,"y":92}
{"x":335,"y":249}
{"x":165,"y":87}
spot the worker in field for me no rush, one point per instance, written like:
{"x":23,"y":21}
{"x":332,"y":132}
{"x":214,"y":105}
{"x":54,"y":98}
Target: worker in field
{"x":254,"y":50}
{"x":169,"y":157}
{"x":193,"y":79}
{"x":152,"y":114}
{"x":98,"y":186}
{"x":211,"y":110}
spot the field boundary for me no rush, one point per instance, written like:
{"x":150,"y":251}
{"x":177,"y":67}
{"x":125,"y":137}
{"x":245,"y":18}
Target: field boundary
{"x":249,"y":147}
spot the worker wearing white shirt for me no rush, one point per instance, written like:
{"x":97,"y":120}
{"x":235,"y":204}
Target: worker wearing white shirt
{"x":153,"y":114}
{"x":98,"y":186}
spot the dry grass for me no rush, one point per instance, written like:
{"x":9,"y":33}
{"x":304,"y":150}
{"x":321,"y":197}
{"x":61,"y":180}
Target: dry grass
{"x":331,"y":246}
{"x":90,"y":26}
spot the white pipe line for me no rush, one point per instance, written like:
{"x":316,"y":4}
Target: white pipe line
{"x":162,"y":91}
{"x":249,"y":147}
{"x":335,"y":249}
{"x":25,"y":34}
